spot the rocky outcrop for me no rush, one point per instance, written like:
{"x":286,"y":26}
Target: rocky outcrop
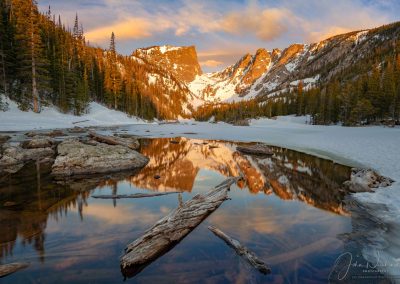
{"x":77,"y":158}
{"x":14,"y":157}
{"x":366,"y":180}
{"x":180,"y":61}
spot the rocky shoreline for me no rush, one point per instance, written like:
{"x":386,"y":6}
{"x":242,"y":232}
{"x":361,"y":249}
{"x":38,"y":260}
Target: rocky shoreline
{"x":71,"y":155}
{"x":82,"y":152}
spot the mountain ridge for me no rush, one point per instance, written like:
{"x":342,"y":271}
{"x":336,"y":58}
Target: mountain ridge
{"x":267,"y":73}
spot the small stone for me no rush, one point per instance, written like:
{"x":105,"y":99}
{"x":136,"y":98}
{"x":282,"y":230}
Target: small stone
{"x":157,"y":177}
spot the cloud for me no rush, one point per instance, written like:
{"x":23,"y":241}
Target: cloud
{"x":315,"y":36}
{"x":236,"y":26}
{"x":211,"y":63}
{"x":265,"y":24}
{"x":127,"y":29}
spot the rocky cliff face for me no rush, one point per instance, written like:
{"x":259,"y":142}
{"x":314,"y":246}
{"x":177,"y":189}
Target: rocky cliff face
{"x":180,"y":61}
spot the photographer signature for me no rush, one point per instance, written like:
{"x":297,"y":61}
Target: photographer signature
{"x":345,"y":262}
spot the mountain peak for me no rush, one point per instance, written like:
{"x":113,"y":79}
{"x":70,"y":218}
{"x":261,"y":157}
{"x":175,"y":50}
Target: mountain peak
{"x":181,"y":61}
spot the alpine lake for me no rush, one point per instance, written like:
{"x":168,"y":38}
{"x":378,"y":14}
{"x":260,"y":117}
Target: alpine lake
{"x":289,"y":209}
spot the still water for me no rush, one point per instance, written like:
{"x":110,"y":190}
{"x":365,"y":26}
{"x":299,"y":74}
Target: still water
{"x":289,"y":210}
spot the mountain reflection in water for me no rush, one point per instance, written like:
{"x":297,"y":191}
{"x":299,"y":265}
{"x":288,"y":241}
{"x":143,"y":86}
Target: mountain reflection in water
{"x":288,"y":174}
{"x":37,"y":213}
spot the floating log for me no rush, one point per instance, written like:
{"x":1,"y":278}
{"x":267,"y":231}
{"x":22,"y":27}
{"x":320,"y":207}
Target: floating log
{"x":242,"y":251}
{"x":76,"y":122}
{"x":258,"y":149}
{"x":136,"y":195}
{"x":131,"y":143}
{"x":7,"y":269}
{"x":170,"y":230}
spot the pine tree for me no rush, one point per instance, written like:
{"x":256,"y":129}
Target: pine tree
{"x":32,"y":74}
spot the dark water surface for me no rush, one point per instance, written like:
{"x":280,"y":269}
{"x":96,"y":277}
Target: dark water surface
{"x":289,"y":211}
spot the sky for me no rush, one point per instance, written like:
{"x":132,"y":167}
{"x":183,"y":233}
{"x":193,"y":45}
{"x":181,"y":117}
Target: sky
{"x":222,"y":30}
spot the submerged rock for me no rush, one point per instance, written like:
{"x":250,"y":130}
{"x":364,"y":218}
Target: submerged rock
{"x":366,"y":180}
{"x":77,"y":158}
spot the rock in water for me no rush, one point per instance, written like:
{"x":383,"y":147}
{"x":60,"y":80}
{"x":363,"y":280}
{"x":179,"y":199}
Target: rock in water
{"x":365,"y":180}
{"x":4,"y":138}
{"x":14,"y":157}
{"x":76,"y":158}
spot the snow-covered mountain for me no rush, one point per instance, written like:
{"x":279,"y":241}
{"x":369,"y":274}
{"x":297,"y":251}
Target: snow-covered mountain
{"x":266,"y":73}
{"x":180,"y":61}
{"x":269,"y":72}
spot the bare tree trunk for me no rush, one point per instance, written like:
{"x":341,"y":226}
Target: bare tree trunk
{"x":4,"y":73}
{"x":35,"y":93}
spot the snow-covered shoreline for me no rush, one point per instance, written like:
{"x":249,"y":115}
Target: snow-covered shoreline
{"x":16,"y":120}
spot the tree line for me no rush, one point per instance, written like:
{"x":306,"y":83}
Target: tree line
{"x":43,"y":62}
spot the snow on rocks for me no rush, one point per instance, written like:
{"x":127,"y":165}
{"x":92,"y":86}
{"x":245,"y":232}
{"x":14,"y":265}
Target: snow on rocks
{"x":366,"y":180}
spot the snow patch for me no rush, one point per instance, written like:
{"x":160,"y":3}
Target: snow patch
{"x":16,"y":120}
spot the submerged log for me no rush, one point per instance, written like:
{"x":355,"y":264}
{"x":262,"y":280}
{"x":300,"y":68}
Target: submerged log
{"x":136,"y":195}
{"x":258,"y":149}
{"x":170,"y":230}
{"x":6,"y":269}
{"x":131,"y":143}
{"x":242,"y":251}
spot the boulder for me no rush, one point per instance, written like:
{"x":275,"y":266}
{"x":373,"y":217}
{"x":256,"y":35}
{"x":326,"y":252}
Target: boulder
{"x":77,"y":158}
{"x":4,"y":138}
{"x":366,"y":180}
{"x":14,"y":158}
{"x":38,"y":142}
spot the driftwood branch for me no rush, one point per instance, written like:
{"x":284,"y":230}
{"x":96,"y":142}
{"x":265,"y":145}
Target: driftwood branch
{"x":242,"y":251}
{"x":136,"y":195}
{"x":170,"y":230}
{"x":131,"y":143}
{"x":258,"y":149}
{"x":76,"y":122}
{"x":6,"y":269}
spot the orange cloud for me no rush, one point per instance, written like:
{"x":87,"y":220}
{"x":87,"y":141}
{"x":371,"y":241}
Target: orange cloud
{"x":266,"y":24}
{"x":211,"y":63}
{"x":327,"y":33}
{"x":132,"y":28}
